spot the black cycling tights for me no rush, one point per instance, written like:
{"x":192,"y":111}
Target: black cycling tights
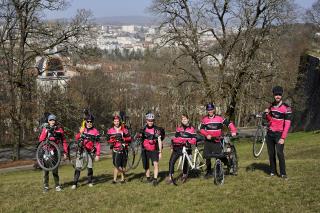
{"x":176,"y":153}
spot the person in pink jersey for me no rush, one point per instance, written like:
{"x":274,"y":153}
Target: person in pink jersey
{"x":211,"y":129}
{"x":91,"y":142}
{"x":56,"y":133}
{"x":185,"y":137}
{"x":151,"y":148}
{"x":119,"y":138}
{"x":278,"y":115}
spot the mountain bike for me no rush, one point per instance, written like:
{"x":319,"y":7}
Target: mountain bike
{"x":229,"y":152}
{"x":260,"y":137}
{"x":78,"y":154}
{"x":48,"y":153}
{"x":134,"y":153}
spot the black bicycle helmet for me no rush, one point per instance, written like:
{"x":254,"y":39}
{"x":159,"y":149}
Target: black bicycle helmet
{"x":210,"y":106}
{"x":277,"y":90}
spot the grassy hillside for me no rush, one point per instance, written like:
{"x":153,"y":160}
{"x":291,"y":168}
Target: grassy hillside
{"x":251,"y":191}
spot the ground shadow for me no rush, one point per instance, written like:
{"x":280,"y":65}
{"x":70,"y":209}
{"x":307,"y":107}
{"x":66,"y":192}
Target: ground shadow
{"x":96,"y":180}
{"x":141,"y":176}
{"x":258,"y":166}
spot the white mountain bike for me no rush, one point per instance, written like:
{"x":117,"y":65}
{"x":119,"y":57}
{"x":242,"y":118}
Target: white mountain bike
{"x":195,"y":161}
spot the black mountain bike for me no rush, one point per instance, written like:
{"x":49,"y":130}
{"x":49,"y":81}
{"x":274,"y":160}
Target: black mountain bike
{"x":78,"y":154}
{"x":134,"y":153}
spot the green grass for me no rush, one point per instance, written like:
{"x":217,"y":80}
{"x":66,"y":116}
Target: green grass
{"x":251,"y":191}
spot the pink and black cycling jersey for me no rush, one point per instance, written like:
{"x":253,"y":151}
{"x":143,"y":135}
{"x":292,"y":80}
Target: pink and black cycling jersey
{"x":150,"y":138}
{"x":118,"y":137}
{"x":57,"y":137}
{"x":279,"y":118}
{"x":88,"y":143}
{"x":213,"y":126}
{"x":184,"y":134}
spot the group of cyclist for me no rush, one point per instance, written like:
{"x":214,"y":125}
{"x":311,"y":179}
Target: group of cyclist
{"x":118,"y":136}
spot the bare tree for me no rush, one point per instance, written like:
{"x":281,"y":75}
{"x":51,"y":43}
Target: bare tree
{"x":313,"y":14}
{"x":229,"y":32}
{"x":23,"y":36}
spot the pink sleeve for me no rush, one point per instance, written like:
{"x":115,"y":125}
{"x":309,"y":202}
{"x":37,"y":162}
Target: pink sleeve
{"x":193,"y":141}
{"x":43,"y":135}
{"x":232,"y":128}
{"x":64,"y":142}
{"x":98,"y":147}
{"x":204,"y":132}
{"x":77,"y":136}
{"x":286,"y":128}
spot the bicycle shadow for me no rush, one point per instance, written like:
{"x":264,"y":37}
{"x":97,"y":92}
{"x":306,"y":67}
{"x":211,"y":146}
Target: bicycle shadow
{"x":99,"y":179}
{"x":258,"y":166}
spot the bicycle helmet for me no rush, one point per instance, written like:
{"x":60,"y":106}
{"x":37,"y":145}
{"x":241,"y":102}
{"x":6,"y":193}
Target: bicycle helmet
{"x":116,"y":117}
{"x":210,"y":106}
{"x":149,"y":116}
{"x":51,"y":117}
{"x":89,"y":117}
{"x":277,"y":90}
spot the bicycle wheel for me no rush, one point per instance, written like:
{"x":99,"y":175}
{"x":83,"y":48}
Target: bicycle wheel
{"x":136,"y":154}
{"x":79,"y":157}
{"x":48,"y":155}
{"x":130,"y":158}
{"x":259,"y":141}
{"x":218,"y":174}
{"x":234,"y":161}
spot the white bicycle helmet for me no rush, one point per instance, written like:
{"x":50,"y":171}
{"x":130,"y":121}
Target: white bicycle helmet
{"x":149,"y":116}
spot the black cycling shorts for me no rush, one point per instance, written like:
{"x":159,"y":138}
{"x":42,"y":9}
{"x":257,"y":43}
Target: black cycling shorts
{"x":119,"y":159}
{"x":211,"y":149}
{"x":146,"y":156}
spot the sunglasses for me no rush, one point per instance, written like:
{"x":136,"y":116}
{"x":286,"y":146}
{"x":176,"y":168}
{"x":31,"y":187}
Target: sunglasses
{"x":277,"y":94}
{"x":89,"y":122}
{"x":52,"y":120}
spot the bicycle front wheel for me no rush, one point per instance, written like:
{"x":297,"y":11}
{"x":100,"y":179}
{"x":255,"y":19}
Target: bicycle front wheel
{"x":259,"y":141}
{"x":79,"y":157}
{"x":136,"y":155}
{"x":234,"y":161}
{"x":48,"y":155}
{"x":218,"y":175}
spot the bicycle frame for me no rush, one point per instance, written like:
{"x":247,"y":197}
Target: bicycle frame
{"x":192,"y":163}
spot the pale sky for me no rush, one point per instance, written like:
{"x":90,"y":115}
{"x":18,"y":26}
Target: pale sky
{"x":104,"y":8}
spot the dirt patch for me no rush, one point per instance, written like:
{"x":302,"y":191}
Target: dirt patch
{"x":9,"y":164}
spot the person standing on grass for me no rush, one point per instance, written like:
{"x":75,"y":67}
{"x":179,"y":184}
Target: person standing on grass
{"x":91,"y":142}
{"x":211,"y":129}
{"x":278,"y":115}
{"x":119,"y":138}
{"x":185,"y":137}
{"x":57,"y":135}
{"x":151,"y":148}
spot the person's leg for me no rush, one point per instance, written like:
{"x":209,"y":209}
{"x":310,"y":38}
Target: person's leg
{"x":55,"y":174}
{"x":282,"y":163}
{"x":76,"y":177}
{"x":271,"y":153}
{"x":46,"y":179}
{"x":206,"y":153}
{"x":173,"y":159}
{"x":145,"y":162}
{"x":90,"y":169}
{"x":185,"y":169}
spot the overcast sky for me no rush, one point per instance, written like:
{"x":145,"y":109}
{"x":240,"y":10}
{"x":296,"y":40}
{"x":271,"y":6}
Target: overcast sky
{"x":103,"y":8}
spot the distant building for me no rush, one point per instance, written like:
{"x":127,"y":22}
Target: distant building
{"x":53,"y":71}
